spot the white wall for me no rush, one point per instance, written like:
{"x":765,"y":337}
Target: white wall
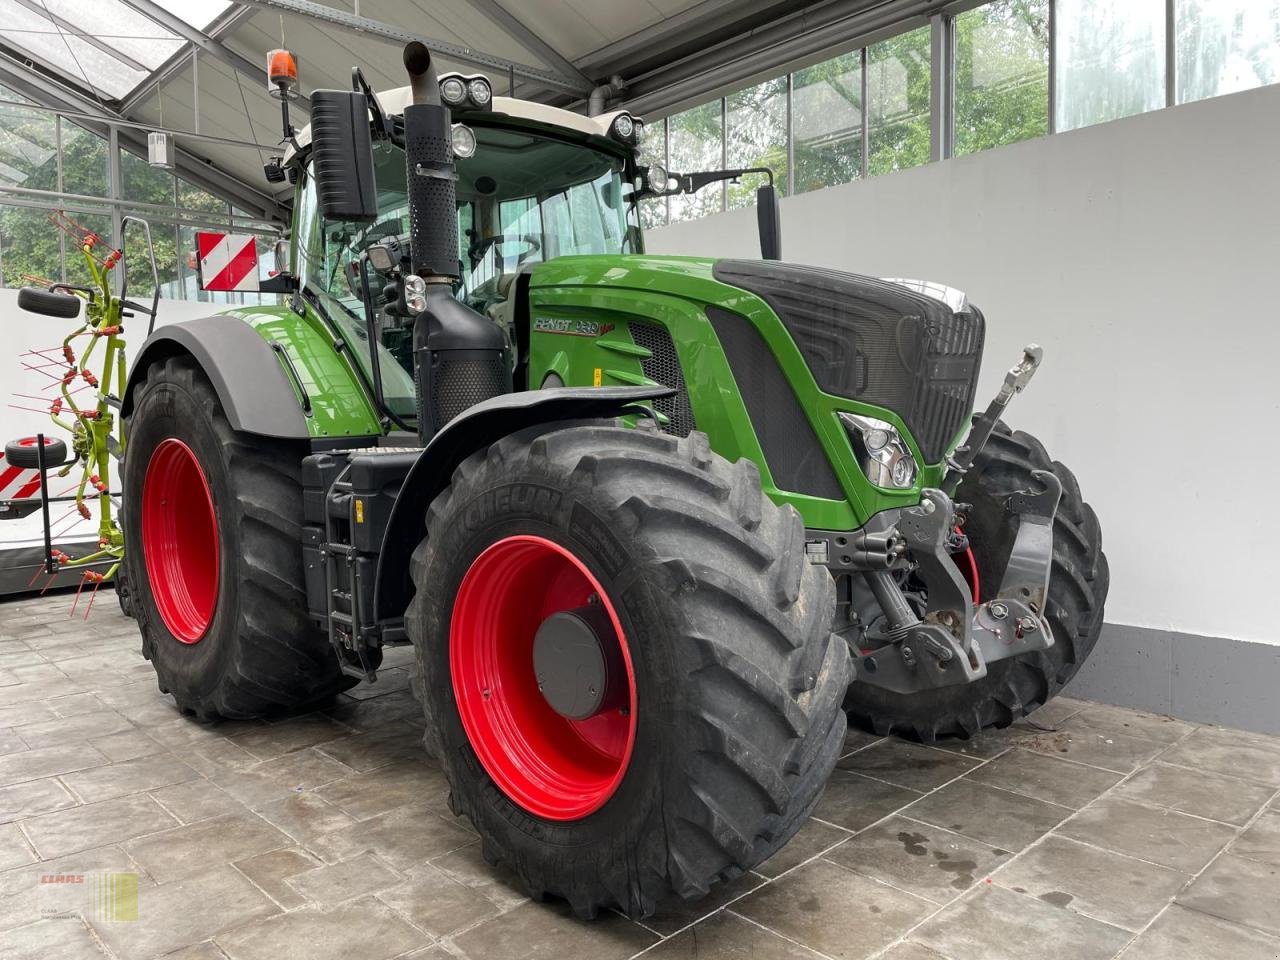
{"x":23,"y":331}
{"x":1144,"y":255}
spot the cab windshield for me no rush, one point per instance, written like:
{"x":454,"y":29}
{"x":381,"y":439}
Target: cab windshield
{"x":523,"y":197}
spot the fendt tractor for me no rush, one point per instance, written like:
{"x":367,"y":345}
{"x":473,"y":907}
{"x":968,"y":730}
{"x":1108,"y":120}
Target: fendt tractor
{"x":655,"y":526}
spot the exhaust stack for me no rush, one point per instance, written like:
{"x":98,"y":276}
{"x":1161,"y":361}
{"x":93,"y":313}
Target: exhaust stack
{"x":429,"y":173}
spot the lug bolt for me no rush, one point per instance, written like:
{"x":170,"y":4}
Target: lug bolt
{"x":997,"y":610}
{"x":1027,"y":624}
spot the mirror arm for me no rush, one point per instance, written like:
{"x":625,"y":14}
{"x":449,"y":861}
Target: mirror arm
{"x":381,"y":125}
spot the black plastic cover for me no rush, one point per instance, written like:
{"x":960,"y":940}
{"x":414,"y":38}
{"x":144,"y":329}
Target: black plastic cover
{"x":876,"y":341}
{"x":342,"y":156}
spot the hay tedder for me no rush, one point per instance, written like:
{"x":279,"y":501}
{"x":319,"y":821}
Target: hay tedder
{"x":657,"y":527}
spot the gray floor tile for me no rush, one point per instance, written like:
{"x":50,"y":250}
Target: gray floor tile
{"x":33,"y":798}
{"x":919,"y":858}
{"x":1054,"y":713}
{"x":374,"y":714}
{"x":186,"y":850}
{"x":14,"y":850}
{"x":857,"y":739}
{"x":997,"y":817}
{"x":190,"y":911}
{"x":1240,"y":890}
{"x":727,"y":936}
{"x":270,"y":871}
{"x":125,"y":745}
{"x":305,"y":816}
{"x":1106,"y":886}
{"x":1132,"y":723}
{"x":95,"y":825}
{"x":378,"y":791}
{"x":993,"y":923}
{"x":64,"y":939}
{"x":273,"y":740}
{"x":468,"y":867}
{"x":1198,"y":792}
{"x":853,"y":801}
{"x":908,"y":950}
{"x":1261,"y":841}
{"x":10,"y":742}
{"x":196,"y":800}
{"x":77,"y":730}
{"x":402,"y":838}
{"x":368,"y":751}
{"x":1161,"y":836}
{"x":48,"y":762}
{"x":1181,"y":934}
{"x":1227,"y":752}
{"x":437,"y":904}
{"x":987,"y":745}
{"x":129,"y":776}
{"x":336,"y":882}
{"x":909,"y":765}
{"x":1073,"y":741}
{"x":1046,"y":778}
{"x":549,"y":931}
{"x":834,"y":911}
{"x":812,"y":839}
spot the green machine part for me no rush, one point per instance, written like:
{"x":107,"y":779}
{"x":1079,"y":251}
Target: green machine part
{"x":312,"y":356}
{"x":581,"y":312}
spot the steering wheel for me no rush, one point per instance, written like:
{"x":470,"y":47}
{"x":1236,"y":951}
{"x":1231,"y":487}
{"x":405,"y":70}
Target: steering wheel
{"x":480,"y":246}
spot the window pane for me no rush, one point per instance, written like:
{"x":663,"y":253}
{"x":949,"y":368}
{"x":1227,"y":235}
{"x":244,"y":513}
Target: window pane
{"x":826,"y":106}
{"x":1226,"y":45}
{"x":141,"y":283}
{"x":191,"y":197}
{"x":84,"y":161}
{"x":898,"y":102}
{"x":696,"y":138}
{"x":653,"y":149}
{"x":1110,"y":60}
{"x":1002,"y":74}
{"x":28,"y":245}
{"x":756,"y":136}
{"x":143,"y":183}
{"x":28,"y":149}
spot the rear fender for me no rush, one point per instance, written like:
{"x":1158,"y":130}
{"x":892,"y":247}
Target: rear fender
{"x":476,"y":429}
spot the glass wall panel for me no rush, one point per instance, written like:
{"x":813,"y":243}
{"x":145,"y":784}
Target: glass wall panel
{"x":77,"y":270}
{"x":141,"y":283}
{"x":696,"y":139}
{"x":826,"y":105}
{"x":28,"y":148}
{"x":1224,"y":46}
{"x":143,"y":183}
{"x":28,"y":246}
{"x":756,"y":136}
{"x":191,"y":197}
{"x":1110,"y":60}
{"x":84,"y":161}
{"x":898,"y":102}
{"x":1002,"y":74}
{"x":653,"y":149}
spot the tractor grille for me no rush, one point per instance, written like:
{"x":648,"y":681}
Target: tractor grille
{"x":791,"y":449}
{"x":876,"y":341}
{"x":663,"y":366}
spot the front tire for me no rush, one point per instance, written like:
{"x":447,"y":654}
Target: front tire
{"x":733,"y":718}
{"x":1078,"y":584}
{"x":213,"y":528}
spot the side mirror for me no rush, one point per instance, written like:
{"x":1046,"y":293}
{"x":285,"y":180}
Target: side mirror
{"x":282,"y":264}
{"x":342,"y":156}
{"x":769,"y":220}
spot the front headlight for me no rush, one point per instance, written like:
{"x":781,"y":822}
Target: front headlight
{"x":882,"y":453}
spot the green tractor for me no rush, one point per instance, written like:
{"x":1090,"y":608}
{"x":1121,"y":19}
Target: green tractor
{"x":655,"y":526}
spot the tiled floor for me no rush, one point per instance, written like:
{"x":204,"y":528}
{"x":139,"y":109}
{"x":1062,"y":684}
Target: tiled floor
{"x":1090,"y":832}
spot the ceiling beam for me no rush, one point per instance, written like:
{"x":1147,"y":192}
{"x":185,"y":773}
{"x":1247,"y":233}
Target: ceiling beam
{"x":200,"y":41}
{"x":191,"y":167}
{"x":530,"y":40}
{"x":394,"y":34}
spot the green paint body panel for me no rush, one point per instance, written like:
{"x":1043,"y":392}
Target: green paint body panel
{"x":580,"y":308}
{"x":340,"y":404}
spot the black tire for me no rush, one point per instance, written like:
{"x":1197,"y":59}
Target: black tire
{"x":261,"y":653}
{"x":738,"y":677}
{"x":49,"y":303}
{"x":24,"y":453}
{"x":1078,"y":586}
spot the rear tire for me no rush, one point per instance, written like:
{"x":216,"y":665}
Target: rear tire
{"x":246,"y":647}
{"x":736,"y":677}
{"x":1078,"y":585}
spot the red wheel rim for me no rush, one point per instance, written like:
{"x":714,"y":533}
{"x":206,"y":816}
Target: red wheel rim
{"x":31,"y":441}
{"x":180,"y":540}
{"x":549,"y":765}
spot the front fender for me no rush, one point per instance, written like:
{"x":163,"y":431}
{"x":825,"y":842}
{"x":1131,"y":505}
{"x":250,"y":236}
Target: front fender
{"x":476,"y":429}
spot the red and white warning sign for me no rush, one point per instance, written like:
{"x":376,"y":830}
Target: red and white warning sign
{"x":227,"y":261}
{"x":18,"y":483}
